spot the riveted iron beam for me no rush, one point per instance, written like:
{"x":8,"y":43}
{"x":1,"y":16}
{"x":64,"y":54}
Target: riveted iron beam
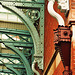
{"x":21,"y":4}
{"x":16,"y":66}
{"x":31,"y":1}
{"x":6,"y":71}
{"x":15,"y":31}
{"x":18,"y":44}
{"x":6,"y":55}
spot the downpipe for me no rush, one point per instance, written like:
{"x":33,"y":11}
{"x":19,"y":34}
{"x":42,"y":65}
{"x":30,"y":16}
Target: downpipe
{"x":55,"y":14}
{"x":60,"y":21}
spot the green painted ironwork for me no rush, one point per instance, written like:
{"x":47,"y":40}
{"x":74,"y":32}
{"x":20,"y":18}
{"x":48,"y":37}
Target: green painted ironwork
{"x":33,"y":1}
{"x":6,"y":71}
{"x":24,"y":58}
{"x":27,"y":22}
{"x":36,"y":27}
{"x":15,"y":31}
{"x":12,"y":69}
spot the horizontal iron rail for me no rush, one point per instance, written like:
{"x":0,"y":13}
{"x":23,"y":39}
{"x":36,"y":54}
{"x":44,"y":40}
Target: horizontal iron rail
{"x":23,"y":4}
{"x":15,"y":31}
{"x":6,"y":71}
{"x":6,"y":55}
{"x":16,"y":66}
{"x":25,"y":1}
{"x":17,"y":43}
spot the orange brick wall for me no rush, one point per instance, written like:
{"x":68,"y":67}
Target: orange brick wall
{"x":50,"y":24}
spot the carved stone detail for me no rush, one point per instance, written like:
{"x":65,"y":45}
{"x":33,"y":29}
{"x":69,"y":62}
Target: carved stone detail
{"x":63,"y":5}
{"x":39,"y":61}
